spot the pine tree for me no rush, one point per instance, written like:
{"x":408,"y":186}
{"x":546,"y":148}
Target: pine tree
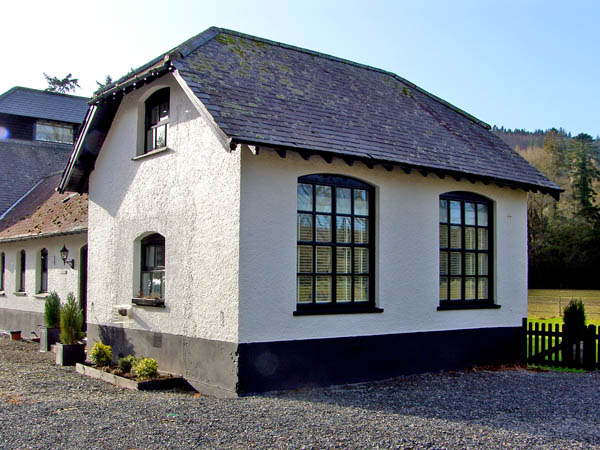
{"x":62,"y":85}
{"x":583,"y":173}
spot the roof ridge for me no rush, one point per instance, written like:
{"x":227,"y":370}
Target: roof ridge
{"x":42,"y":91}
{"x":353,"y":63}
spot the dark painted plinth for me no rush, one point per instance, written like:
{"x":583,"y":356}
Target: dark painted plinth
{"x":209,"y":366}
{"x":325,"y":362}
{"x":227,"y":369}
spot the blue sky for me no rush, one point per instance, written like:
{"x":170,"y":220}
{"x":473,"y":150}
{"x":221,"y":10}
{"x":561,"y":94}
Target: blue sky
{"x":522,"y":64}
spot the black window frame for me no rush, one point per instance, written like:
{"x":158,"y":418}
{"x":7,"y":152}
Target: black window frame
{"x":333,"y":307}
{"x":156,"y":100}
{"x":2,"y":270}
{"x":43,"y":288}
{"x":159,"y":241}
{"x":463,"y":303}
{"x":22,"y":269}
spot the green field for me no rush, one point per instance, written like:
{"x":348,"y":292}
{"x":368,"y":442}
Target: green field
{"x":550,"y":303}
{"x":545,"y":306}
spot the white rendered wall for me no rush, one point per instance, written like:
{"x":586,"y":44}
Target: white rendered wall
{"x":61,"y":278}
{"x":407,"y":253}
{"x":190,"y":195}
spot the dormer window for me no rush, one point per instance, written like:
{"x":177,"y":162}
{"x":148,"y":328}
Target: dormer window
{"x":157,"y":120}
{"x":49,"y":131}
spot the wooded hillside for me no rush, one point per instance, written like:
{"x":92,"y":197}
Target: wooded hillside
{"x":564,"y":236}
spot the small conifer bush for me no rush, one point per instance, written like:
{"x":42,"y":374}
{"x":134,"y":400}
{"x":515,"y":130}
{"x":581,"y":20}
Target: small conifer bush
{"x":52,"y":310}
{"x":101,"y":354}
{"x":71,"y":321}
{"x":146,"y":368}
{"x":574,"y":318}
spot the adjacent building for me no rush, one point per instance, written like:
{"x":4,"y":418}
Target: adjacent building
{"x":37,"y":131}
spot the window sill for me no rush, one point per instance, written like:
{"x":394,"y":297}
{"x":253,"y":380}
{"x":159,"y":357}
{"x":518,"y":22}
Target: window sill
{"x":467,"y":305}
{"x":317,"y":310}
{"x":41,"y":295}
{"x":159,"y":302}
{"x":151,"y":153}
{"x":20,"y":294}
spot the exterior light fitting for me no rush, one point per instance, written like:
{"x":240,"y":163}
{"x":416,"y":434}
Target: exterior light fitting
{"x":64,"y":254}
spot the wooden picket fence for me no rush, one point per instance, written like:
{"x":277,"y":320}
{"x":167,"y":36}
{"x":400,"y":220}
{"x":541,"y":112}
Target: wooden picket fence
{"x":548,"y":345}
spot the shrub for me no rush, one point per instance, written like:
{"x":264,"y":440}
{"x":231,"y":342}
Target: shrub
{"x":146,"y":368}
{"x":71,"y":321}
{"x":101,"y":354}
{"x":52,"y":310}
{"x":127,"y":362}
{"x":574,"y":318}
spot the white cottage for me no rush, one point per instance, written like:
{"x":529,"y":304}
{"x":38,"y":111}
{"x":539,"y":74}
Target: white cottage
{"x":32,"y":234}
{"x":267,"y":217}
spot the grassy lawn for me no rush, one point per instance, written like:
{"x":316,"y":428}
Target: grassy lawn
{"x":557,"y":320}
{"x":549,"y":303}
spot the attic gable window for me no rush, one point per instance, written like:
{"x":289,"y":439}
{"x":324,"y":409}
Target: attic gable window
{"x":157,"y":120}
{"x":49,"y":131}
{"x":335,"y":250}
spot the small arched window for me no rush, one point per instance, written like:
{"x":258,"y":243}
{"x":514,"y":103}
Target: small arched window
{"x":466,"y":250}
{"x":153,"y":267}
{"x":336,"y":245}
{"x":157,"y":120}
{"x":43,"y":287}
{"x":21,"y":271}
{"x":2,"y":269}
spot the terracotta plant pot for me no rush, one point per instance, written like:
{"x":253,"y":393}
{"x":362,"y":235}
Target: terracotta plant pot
{"x":15,"y":335}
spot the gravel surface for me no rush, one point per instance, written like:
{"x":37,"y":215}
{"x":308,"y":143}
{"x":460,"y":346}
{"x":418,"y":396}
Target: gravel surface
{"x":45,"y":406}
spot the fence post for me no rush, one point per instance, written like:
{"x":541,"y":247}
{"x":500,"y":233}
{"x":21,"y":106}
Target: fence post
{"x":589,"y":347}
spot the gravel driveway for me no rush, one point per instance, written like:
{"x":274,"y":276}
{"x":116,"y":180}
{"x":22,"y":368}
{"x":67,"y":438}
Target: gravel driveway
{"x":45,"y":406}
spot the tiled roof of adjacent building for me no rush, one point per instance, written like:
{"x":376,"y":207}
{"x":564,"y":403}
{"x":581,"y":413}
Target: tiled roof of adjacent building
{"x":20,"y":101}
{"x":24,"y":163}
{"x":267,"y":93}
{"x":44,"y":212}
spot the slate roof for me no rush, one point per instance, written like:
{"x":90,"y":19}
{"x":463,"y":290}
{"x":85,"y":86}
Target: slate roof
{"x":20,"y":101}
{"x":267,"y":93}
{"x":24,"y":163}
{"x":44,"y":212}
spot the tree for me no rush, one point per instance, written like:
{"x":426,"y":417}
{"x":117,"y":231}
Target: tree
{"x":555,"y":144}
{"x":583,"y":173}
{"x":62,"y":85}
{"x":108,"y":80}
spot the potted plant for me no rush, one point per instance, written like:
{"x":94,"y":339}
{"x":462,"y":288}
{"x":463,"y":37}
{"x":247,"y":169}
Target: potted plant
{"x":70,"y":350}
{"x":50,"y":333}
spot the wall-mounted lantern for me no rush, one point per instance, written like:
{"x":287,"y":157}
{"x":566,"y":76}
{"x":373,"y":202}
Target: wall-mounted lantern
{"x":64,"y":254}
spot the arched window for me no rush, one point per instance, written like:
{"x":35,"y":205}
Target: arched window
{"x":157,"y":120}
{"x":21,"y":271}
{"x":466,"y":250}
{"x":43,"y":287}
{"x":153,"y":267}
{"x":2,"y":269}
{"x":335,"y":245}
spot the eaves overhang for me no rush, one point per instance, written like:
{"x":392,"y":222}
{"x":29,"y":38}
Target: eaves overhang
{"x":407,"y":168}
{"x":26,"y":237}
